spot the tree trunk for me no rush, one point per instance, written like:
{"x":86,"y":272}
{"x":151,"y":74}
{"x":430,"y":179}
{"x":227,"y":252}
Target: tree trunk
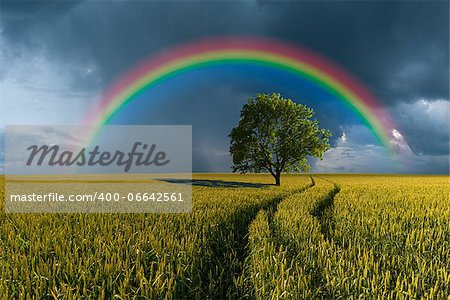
{"x":277,"y":179}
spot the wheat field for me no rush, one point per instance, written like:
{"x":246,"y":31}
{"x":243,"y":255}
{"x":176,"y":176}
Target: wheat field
{"x":315,"y":237}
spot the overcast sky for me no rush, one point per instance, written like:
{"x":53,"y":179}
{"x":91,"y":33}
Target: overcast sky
{"x":57,"y":57}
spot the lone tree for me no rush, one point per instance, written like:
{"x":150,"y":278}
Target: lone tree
{"x":276,"y":135}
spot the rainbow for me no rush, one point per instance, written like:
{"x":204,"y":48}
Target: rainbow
{"x":270,"y":53}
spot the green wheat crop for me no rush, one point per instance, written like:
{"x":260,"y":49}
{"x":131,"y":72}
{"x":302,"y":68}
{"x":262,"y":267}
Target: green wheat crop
{"x":325,"y":237}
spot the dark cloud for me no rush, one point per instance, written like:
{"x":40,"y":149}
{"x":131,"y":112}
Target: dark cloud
{"x":20,"y":17}
{"x":427,"y":124}
{"x":399,"y":49}
{"x":117,"y":35}
{"x":31,"y":10}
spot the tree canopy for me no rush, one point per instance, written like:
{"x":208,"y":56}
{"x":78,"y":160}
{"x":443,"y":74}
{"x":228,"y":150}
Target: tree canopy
{"x":276,"y":135}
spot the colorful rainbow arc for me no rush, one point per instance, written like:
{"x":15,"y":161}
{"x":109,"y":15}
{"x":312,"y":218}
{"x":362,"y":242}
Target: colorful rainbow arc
{"x":265,"y":52}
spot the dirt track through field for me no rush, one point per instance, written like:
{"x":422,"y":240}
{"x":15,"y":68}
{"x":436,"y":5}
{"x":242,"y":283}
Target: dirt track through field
{"x":324,"y":212}
{"x":244,"y":289}
{"x":230,"y":265}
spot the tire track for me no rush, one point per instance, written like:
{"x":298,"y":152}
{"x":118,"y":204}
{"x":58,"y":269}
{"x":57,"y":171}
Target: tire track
{"x":324,"y":212}
{"x":271,"y":211}
{"x":245,"y":291}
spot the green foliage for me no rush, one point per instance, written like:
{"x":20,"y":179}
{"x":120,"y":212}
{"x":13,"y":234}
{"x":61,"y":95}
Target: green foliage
{"x":275,"y":135}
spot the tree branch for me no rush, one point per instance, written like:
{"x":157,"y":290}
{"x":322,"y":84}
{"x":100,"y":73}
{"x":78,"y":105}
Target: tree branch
{"x":268,"y":161}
